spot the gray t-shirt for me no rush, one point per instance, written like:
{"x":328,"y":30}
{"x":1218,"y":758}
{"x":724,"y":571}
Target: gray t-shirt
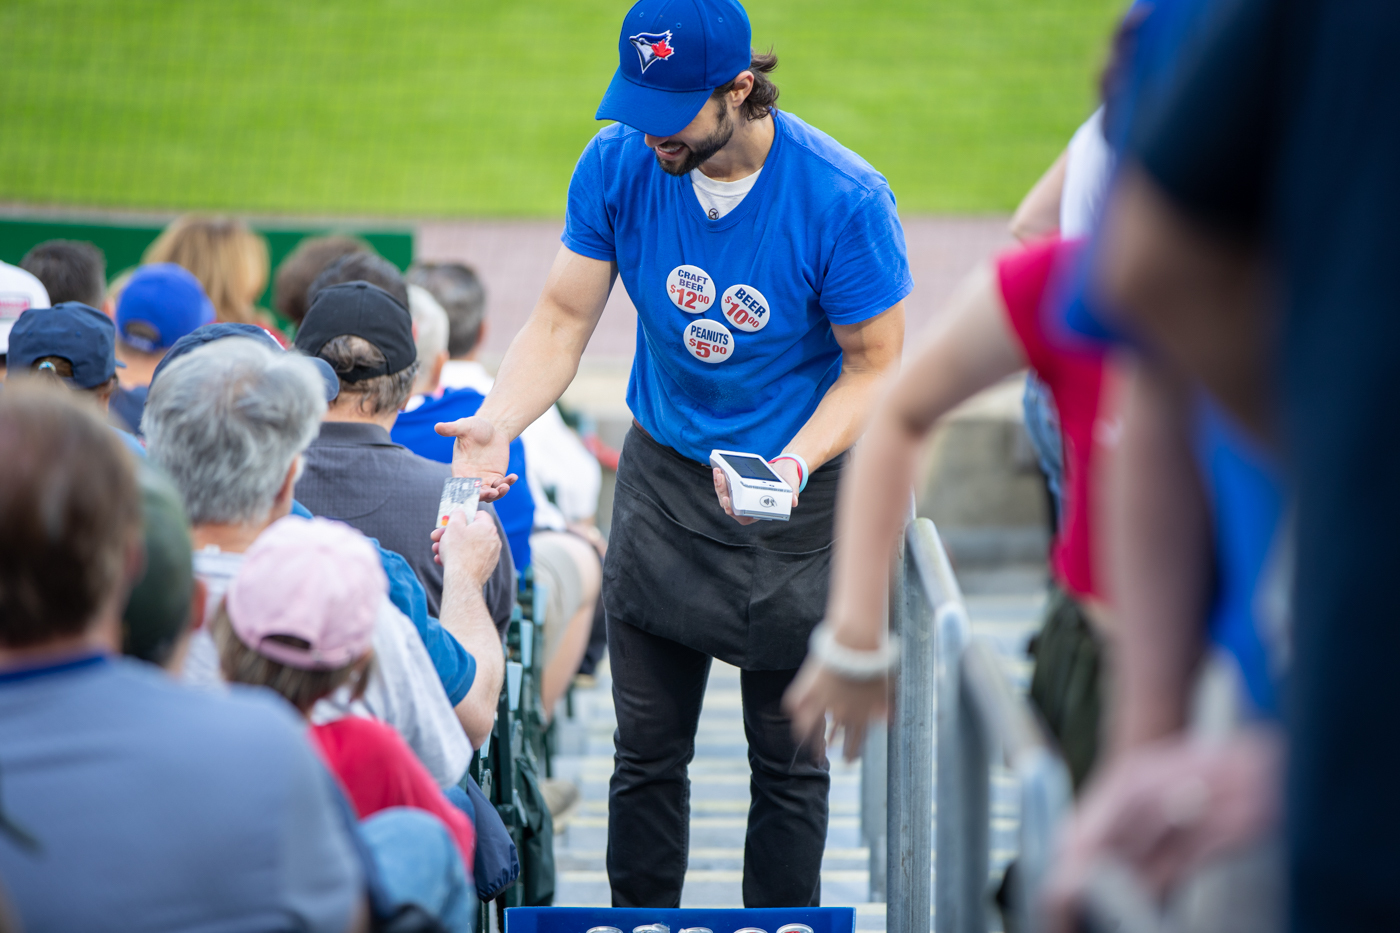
{"x":404,"y":688}
{"x":157,"y":807}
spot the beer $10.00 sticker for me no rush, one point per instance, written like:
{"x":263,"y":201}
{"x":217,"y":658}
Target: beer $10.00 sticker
{"x":691,"y":289}
{"x":708,"y":341}
{"x":745,"y":307}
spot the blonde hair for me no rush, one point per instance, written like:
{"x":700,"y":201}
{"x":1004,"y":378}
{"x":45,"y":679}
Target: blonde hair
{"x":229,"y":260}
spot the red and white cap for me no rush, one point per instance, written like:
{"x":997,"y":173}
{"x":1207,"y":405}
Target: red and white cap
{"x":313,"y":579}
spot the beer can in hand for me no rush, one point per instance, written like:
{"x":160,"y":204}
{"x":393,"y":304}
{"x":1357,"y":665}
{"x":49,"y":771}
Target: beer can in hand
{"x":459,"y":492}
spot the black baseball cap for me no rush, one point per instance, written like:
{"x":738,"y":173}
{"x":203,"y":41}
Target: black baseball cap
{"x":221,"y":329}
{"x":82,"y":335}
{"x":359,"y":309}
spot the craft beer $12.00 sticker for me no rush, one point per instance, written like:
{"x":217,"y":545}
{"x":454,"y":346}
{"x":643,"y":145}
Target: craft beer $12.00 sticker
{"x":691,"y":289}
{"x":708,"y":341}
{"x":745,"y":307}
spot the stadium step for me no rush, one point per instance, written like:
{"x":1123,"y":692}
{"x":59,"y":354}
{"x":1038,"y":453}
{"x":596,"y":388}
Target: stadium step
{"x":720,"y":787}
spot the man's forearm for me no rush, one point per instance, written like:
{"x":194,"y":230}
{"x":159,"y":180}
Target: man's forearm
{"x":543,"y":358}
{"x":465,"y":616}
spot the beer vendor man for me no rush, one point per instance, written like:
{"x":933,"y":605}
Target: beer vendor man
{"x":768,"y":268}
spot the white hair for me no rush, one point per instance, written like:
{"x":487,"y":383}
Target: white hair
{"x":227,"y":421}
{"x":430,"y":327}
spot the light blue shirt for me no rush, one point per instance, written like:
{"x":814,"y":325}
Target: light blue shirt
{"x":159,"y":807}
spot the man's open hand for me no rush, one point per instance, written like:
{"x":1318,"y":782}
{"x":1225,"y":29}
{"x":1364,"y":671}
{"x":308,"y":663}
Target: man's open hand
{"x":480,"y":450}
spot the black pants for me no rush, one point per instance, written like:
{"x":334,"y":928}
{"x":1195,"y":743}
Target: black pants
{"x":658,"y":686}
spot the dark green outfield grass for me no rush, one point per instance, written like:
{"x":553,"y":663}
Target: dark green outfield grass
{"x":432,"y":108}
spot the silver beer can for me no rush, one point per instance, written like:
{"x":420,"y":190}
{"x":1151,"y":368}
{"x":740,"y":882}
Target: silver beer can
{"x":696,"y":930}
{"x":794,"y":928}
{"x":751,"y":930}
{"x":652,"y":928}
{"x":604,"y":930}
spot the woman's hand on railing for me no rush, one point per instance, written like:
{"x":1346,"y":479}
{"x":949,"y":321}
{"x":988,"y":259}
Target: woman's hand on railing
{"x":817,"y":691}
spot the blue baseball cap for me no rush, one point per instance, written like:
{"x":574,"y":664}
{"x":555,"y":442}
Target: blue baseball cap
{"x":209,"y":333}
{"x":672,"y":54}
{"x":83,"y":336}
{"x":166,"y":298}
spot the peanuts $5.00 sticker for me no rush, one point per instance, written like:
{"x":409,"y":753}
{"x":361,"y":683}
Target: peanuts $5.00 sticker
{"x":708,"y":341}
{"x":691,"y":289}
{"x":745,"y":307}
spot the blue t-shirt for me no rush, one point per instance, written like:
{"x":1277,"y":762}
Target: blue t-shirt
{"x":414,"y":430}
{"x":160,"y":807}
{"x":734,"y":342}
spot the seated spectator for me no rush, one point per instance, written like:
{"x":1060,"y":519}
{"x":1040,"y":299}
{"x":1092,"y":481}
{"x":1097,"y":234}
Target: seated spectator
{"x":562,"y":478}
{"x":296,"y":273}
{"x":73,"y":343}
{"x":355,"y":473}
{"x":229,"y":422}
{"x":158,"y":305}
{"x":299,"y":618}
{"x":132,"y":803}
{"x":360,"y":267}
{"x":456,"y":668}
{"x":229,"y":260}
{"x":19,"y":291}
{"x":71,"y":270}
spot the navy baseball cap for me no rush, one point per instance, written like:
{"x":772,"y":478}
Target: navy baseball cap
{"x":83,"y":336}
{"x":168,"y":300}
{"x":672,"y":54}
{"x":211,"y":332}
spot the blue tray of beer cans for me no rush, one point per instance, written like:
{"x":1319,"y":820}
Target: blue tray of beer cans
{"x":626,"y":919}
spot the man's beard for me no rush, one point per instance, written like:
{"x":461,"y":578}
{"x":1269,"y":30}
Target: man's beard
{"x":707,"y":148}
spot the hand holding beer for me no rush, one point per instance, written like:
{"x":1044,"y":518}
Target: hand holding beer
{"x":480,"y":450}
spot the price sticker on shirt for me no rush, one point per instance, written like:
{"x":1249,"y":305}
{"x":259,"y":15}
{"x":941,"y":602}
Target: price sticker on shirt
{"x":708,"y":341}
{"x":691,"y":289}
{"x":745,"y":307}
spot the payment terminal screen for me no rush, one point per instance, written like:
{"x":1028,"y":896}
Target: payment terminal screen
{"x":752,"y":468}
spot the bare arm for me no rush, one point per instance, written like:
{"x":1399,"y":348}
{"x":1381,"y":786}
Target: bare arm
{"x":1159,"y":556}
{"x":1038,"y":214}
{"x":972,"y":351}
{"x":541,"y":362}
{"x":469,"y":551}
{"x":870,"y":351}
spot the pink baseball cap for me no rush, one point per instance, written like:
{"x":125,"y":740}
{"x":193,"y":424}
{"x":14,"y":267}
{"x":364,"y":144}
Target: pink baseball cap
{"x":317,"y":580}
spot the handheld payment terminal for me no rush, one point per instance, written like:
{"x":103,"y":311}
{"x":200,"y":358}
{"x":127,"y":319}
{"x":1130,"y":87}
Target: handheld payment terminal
{"x":754,"y":489}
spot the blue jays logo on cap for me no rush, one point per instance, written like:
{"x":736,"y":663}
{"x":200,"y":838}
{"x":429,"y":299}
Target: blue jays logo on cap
{"x":652,"y":47}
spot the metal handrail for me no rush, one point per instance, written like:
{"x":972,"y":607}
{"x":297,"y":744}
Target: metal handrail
{"x":978,"y":712}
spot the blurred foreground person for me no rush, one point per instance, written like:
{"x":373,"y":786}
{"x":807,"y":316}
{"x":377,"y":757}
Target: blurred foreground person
{"x":158,"y":305}
{"x":299,"y":618}
{"x":994,"y":328}
{"x":1279,"y":96}
{"x":71,"y":270}
{"x":229,"y":422}
{"x":109,"y":768}
{"x":229,"y":260}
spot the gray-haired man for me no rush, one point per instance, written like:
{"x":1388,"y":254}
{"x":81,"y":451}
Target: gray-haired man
{"x":230,"y":422}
